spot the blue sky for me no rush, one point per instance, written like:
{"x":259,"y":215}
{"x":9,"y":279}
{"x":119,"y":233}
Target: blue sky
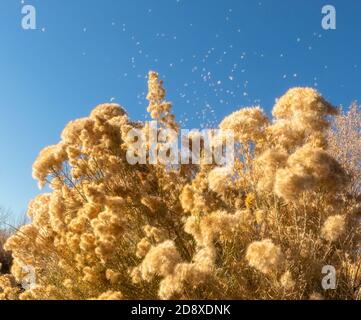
{"x":215,"y":57}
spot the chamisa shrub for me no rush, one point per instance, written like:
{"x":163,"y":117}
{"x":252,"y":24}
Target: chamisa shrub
{"x":263,"y":228}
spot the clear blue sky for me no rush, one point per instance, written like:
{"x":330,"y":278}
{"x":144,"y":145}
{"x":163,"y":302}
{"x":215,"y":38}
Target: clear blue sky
{"x":214,"y":55}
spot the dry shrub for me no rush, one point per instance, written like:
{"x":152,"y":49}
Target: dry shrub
{"x":5,"y":257}
{"x":344,"y":139}
{"x":260,"y":230}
